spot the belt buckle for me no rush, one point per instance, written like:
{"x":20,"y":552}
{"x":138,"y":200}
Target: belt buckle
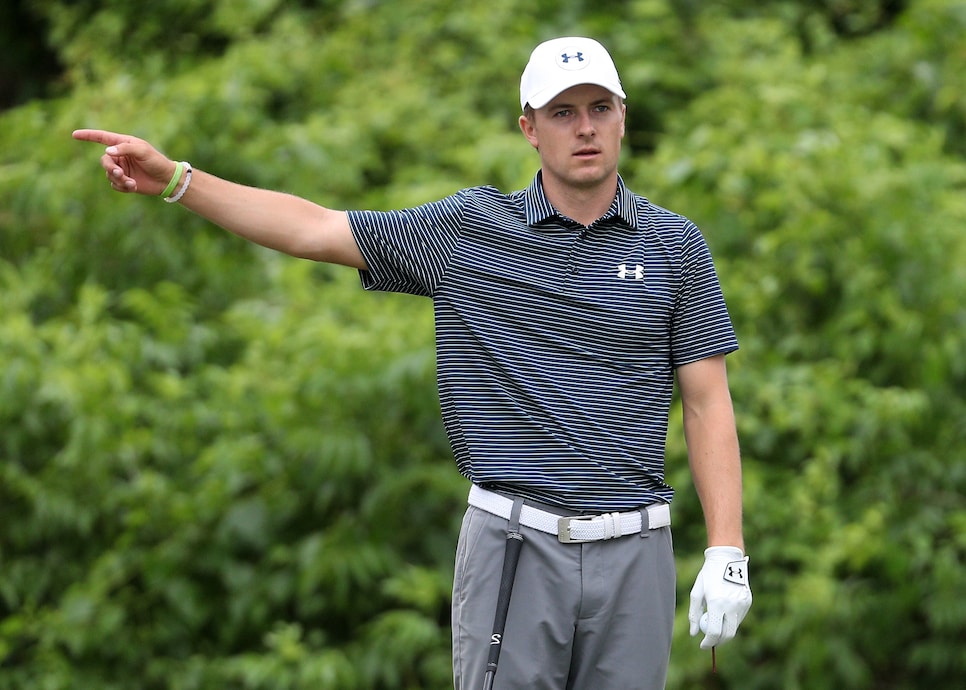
{"x":563,"y":530}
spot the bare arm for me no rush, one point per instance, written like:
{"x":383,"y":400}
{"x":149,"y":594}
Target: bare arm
{"x":713,"y":454}
{"x":275,"y":220}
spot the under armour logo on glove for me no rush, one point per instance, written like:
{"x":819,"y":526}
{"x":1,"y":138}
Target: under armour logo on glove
{"x":737,"y":572}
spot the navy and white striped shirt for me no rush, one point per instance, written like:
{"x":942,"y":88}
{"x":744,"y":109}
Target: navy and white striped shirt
{"x":556,"y":343}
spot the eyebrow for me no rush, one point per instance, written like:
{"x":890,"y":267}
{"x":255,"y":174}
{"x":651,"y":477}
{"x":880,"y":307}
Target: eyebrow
{"x":573,"y":105}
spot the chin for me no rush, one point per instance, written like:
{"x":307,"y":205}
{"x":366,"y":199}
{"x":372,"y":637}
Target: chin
{"x":589,"y":178}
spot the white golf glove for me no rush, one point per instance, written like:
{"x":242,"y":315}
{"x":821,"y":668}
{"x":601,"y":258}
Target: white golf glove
{"x":721,"y":595}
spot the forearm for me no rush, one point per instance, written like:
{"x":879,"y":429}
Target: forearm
{"x":715,"y":462}
{"x":276,"y":220}
{"x":713,"y":454}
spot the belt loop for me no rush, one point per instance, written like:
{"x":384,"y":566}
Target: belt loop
{"x":645,"y":523}
{"x":515,"y":515}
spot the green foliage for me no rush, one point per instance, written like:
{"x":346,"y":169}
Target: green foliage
{"x":224,"y":468}
{"x":220,"y":510}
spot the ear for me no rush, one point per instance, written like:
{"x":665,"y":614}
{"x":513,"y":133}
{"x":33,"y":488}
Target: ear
{"x":529,"y":131}
{"x":623,"y":118}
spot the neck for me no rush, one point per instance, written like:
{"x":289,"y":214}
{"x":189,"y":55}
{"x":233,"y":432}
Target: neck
{"x":583,"y":204}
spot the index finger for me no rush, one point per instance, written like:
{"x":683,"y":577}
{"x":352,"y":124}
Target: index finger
{"x":100,"y":136}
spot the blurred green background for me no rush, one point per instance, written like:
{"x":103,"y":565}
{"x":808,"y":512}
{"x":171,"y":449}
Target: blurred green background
{"x":224,"y":468}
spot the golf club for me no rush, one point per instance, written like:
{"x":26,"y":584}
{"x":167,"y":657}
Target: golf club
{"x":514,"y":541}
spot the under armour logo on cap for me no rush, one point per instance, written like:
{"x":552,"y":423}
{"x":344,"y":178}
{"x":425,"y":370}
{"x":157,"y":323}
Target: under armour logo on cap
{"x":560,"y":63}
{"x":575,"y":61}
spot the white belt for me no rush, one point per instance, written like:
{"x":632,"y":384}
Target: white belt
{"x":575,"y":529}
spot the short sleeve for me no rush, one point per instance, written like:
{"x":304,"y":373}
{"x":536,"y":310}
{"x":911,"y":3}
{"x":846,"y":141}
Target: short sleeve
{"x":701,"y":326}
{"x":408,"y":250}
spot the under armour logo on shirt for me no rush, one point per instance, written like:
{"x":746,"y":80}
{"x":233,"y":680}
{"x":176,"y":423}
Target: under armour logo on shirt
{"x":636,"y":273}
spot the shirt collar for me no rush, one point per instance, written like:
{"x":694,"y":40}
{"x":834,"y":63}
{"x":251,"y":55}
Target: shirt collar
{"x":539,"y":209}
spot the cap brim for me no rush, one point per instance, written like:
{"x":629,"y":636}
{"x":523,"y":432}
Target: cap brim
{"x":544,"y":96}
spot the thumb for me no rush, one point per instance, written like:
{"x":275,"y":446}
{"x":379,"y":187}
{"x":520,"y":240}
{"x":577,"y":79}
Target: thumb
{"x":129,"y":149}
{"x":714,"y":623}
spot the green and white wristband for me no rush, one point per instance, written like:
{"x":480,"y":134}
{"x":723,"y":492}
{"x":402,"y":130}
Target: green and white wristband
{"x":182,"y":166}
{"x":178,"y":169}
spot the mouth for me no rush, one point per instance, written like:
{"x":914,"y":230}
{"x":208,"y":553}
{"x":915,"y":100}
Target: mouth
{"x":586,"y":153}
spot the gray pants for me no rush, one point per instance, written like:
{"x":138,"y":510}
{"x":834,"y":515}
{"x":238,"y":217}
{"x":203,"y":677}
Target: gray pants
{"x":593,"y":616}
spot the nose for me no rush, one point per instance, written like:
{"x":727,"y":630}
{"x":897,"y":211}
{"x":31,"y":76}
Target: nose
{"x":585,"y":124}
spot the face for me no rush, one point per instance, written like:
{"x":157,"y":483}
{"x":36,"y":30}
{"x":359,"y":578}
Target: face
{"x":578,"y":135}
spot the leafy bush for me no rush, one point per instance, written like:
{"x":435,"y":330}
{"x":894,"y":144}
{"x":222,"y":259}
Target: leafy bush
{"x":225,"y":468}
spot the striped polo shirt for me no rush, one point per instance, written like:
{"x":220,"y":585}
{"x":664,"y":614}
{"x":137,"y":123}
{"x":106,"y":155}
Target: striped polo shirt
{"x":556,"y":343}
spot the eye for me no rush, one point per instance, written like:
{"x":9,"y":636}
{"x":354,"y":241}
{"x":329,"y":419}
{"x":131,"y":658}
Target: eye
{"x":563,"y":112}
{"x":601,"y":108}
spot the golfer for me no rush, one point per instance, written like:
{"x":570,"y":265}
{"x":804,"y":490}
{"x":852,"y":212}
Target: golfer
{"x":564,"y":313}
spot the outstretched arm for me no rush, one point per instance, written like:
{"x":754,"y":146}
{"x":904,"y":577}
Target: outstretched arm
{"x":275,"y":220}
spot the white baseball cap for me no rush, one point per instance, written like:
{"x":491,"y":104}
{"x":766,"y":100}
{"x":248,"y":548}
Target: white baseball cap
{"x":560,"y":63}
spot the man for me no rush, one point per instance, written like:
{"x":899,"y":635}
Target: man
{"x":563,"y":312}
